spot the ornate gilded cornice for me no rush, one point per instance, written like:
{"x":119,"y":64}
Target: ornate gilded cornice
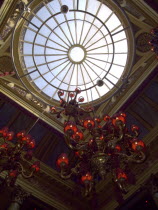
{"x":22,"y":101}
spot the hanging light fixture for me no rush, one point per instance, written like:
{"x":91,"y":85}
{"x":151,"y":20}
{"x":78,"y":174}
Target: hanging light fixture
{"x":109,"y":149}
{"x":154,"y":41}
{"x":13,"y":157}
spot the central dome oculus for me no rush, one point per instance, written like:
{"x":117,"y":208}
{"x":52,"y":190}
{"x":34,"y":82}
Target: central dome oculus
{"x":77,"y":54}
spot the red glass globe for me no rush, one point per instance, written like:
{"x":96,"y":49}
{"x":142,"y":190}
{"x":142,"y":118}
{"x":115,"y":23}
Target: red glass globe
{"x":123,"y":114}
{"x":138,"y":145}
{"x":26,"y":139}
{"x":36,"y":166}
{"x":4,"y":146}
{"x":78,"y":135}
{"x":70,"y":128}
{"x":9,"y":136}
{"x":101,"y":137}
{"x":71,"y":95}
{"x":117,"y":119}
{"x":4,"y":131}
{"x":121,"y":175}
{"x":88,"y":123}
{"x":106,"y":118}
{"x":97,"y":119}
{"x":134,"y":128}
{"x":31,"y":143}
{"x":21,"y":134}
{"x":13,"y":173}
{"x":81,"y":99}
{"x":62,"y":160}
{"x":60,"y":92}
{"x":87,"y":177}
{"x":117,"y":148}
{"x":78,"y":90}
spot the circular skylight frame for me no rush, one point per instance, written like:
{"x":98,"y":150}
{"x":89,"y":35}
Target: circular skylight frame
{"x":39,"y":94}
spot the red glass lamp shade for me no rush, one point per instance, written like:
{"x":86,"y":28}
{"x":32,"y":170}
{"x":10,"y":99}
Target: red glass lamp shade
{"x":77,"y":153}
{"x":60,"y":92}
{"x":122,"y":176}
{"x":99,"y":126}
{"x":4,"y":146}
{"x":117,"y":148}
{"x":9,"y":136}
{"x":81,"y":99}
{"x":138,"y":145}
{"x":118,"y":119}
{"x":26,"y":139}
{"x":134,"y":128}
{"x":4,"y":132}
{"x":87,"y":177}
{"x":31,"y":143}
{"x":36,"y":166}
{"x":78,"y":135}
{"x":97,"y":119}
{"x":70,"y":128}
{"x":71,"y":95}
{"x":106,"y":118}
{"x":13,"y":173}
{"x":88,"y":123}
{"x":62,"y":160}
{"x":123,"y":114}
{"x":78,"y":90}
{"x":21,"y":134}
{"x":101,"y":137}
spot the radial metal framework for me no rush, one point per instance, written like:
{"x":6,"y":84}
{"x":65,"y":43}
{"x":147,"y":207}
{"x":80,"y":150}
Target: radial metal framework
{"x":48,"y":38}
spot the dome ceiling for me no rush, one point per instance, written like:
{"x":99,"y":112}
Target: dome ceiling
{"x":63,"y":51}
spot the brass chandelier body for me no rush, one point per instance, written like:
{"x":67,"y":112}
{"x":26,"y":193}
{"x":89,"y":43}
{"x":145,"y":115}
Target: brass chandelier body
{"x":109,"y":149}
{"x":13,"y":157}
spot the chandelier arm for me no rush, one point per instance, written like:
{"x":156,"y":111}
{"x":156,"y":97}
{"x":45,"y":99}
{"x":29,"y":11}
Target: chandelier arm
{"x":122,"y":187}
{"x":136,"y":133}
{"x":86,"y":111}
{"x":59,"y":96}
{"x":121,"y":133}
{"x":131,"y":157}
{"x":88,"y":188}
{"x":22,"y":157}
{"x":143,"y":157}
{"x":67,"y":140}
{"x":65,"y":176}
{"x":27,"y":176}
{"x":132,"y":136}
{"x":120,"y":183}
{"x":22,"y":171}
{"x":73,"y":171}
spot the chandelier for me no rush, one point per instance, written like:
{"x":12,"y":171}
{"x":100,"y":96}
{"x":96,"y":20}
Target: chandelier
{"x":13,"y":156}
{"x":154,"y":41}
{"x":107,"y":149}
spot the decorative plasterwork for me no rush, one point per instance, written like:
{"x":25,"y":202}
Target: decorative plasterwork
{"x":33,"y":105}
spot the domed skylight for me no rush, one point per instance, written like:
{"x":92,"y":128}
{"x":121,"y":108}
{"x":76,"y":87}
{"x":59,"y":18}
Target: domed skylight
{"x":65,"y":51}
